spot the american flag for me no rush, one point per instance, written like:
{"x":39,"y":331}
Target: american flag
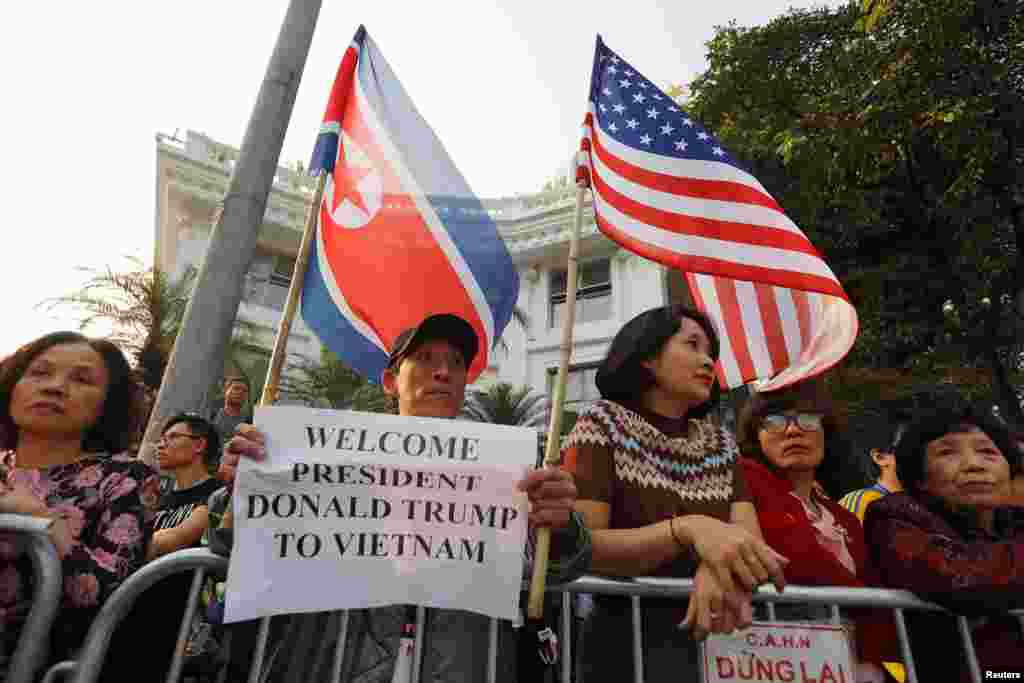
{"x":666,"y":189}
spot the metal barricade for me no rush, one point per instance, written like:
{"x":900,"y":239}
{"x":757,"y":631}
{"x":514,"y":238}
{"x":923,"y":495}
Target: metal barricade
{"x":201,"y":561}
{"x":31,"y":651}
{"x":117,"y":606}
{"x":834,"y":597}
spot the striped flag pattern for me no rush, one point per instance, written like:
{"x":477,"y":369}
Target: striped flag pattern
{"x":664,"y":188}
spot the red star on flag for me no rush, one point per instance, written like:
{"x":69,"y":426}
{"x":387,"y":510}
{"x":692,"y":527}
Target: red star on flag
{"x":346,"y":182}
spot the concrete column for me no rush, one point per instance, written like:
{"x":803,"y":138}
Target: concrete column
{"x":198,"y":355}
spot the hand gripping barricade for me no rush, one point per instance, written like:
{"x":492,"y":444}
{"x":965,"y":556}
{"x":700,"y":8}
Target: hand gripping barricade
{"x":203,"y":563}
{"x":33,"y":538}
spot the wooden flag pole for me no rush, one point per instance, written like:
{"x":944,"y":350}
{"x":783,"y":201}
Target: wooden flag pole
{"x":277,"y":356}
{"x":535,"y":609}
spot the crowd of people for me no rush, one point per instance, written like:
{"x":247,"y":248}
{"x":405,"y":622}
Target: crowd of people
{"x":652,"y":484}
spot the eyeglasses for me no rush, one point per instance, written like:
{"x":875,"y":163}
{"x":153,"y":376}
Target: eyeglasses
{"x":167,"y":438}
{"x":778,"y":422}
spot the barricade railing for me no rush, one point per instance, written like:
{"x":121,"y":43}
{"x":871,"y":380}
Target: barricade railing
{"x":94,"y":649}
{"x":30,"y":653}
{"x":835,"y":597}
{"x":203,"y":563}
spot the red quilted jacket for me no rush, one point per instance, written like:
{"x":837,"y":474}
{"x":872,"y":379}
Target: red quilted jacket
{"x":786,"y":528}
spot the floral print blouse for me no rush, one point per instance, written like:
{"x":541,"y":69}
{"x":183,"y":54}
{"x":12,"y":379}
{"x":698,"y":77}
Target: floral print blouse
{"x":109,"y":503}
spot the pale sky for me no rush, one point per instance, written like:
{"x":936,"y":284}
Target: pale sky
{"x":88,"y":85}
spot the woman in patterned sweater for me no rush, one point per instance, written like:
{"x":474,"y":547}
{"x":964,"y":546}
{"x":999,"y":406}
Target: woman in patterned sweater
{"x":662,"y":491}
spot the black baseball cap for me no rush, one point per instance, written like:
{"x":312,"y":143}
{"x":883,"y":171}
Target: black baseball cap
{"x":446,"y":326}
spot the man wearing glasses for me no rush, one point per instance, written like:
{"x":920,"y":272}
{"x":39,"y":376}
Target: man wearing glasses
{"x":187,"y":443}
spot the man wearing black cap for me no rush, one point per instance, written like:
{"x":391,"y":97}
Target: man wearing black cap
{"x":427,"y":373}
{"x":427,"y":368}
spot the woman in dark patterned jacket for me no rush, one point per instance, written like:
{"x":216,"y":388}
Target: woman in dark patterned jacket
{"x":663,"y":494}
{"x":955,"y":537}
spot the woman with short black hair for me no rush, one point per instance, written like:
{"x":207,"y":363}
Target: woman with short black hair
{"x":662,"y":492}
{"x":68,"y":407}
{"x":955,"y":536}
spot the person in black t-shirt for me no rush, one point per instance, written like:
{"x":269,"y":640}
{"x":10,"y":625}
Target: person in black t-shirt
{"x":152,"y":626}
{"x":185,"y":446}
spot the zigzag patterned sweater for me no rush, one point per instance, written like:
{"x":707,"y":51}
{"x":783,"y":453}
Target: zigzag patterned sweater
{"x":650,"y":468}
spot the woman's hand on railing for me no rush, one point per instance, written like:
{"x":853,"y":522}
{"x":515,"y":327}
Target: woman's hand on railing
{"x":712,"y":610}
{"x":19,"y":500}
{"x":60,"y":534}
{"x":733,"y":554}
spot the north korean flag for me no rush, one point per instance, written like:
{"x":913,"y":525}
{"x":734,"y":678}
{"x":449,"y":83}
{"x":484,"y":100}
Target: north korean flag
{"x":401,"y":235}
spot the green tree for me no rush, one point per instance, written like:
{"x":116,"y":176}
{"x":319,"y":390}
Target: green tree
{"x":331,"y":383}
{"x":505,"y":404}
{"x":144,"y":309}
{"x":899,"y":152}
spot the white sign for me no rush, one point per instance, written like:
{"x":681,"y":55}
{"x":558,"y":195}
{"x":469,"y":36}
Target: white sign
{"x":355,"y":510}
{"x":780,"y":652}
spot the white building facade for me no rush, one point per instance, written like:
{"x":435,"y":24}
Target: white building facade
{"x":614,"y":286}
{"x":192,"y":177}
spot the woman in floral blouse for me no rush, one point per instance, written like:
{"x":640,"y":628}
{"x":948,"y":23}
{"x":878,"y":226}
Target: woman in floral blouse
{"x":67,"y":403}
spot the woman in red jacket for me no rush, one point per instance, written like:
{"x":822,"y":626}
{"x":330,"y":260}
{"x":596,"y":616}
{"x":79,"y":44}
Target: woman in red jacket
{"x":790,"y":440}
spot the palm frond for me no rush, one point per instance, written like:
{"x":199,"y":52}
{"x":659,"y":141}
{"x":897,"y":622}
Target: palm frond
{"x":144,"y":307}
{"x":502,"y":403}
{"x":330,"y":382}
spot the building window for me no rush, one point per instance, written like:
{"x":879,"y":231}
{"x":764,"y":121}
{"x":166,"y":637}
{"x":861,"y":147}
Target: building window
{"x":266,"y":283}
{"x":281,"y":275}
{"x":580,"y":392}
{"x":593,"y":293}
